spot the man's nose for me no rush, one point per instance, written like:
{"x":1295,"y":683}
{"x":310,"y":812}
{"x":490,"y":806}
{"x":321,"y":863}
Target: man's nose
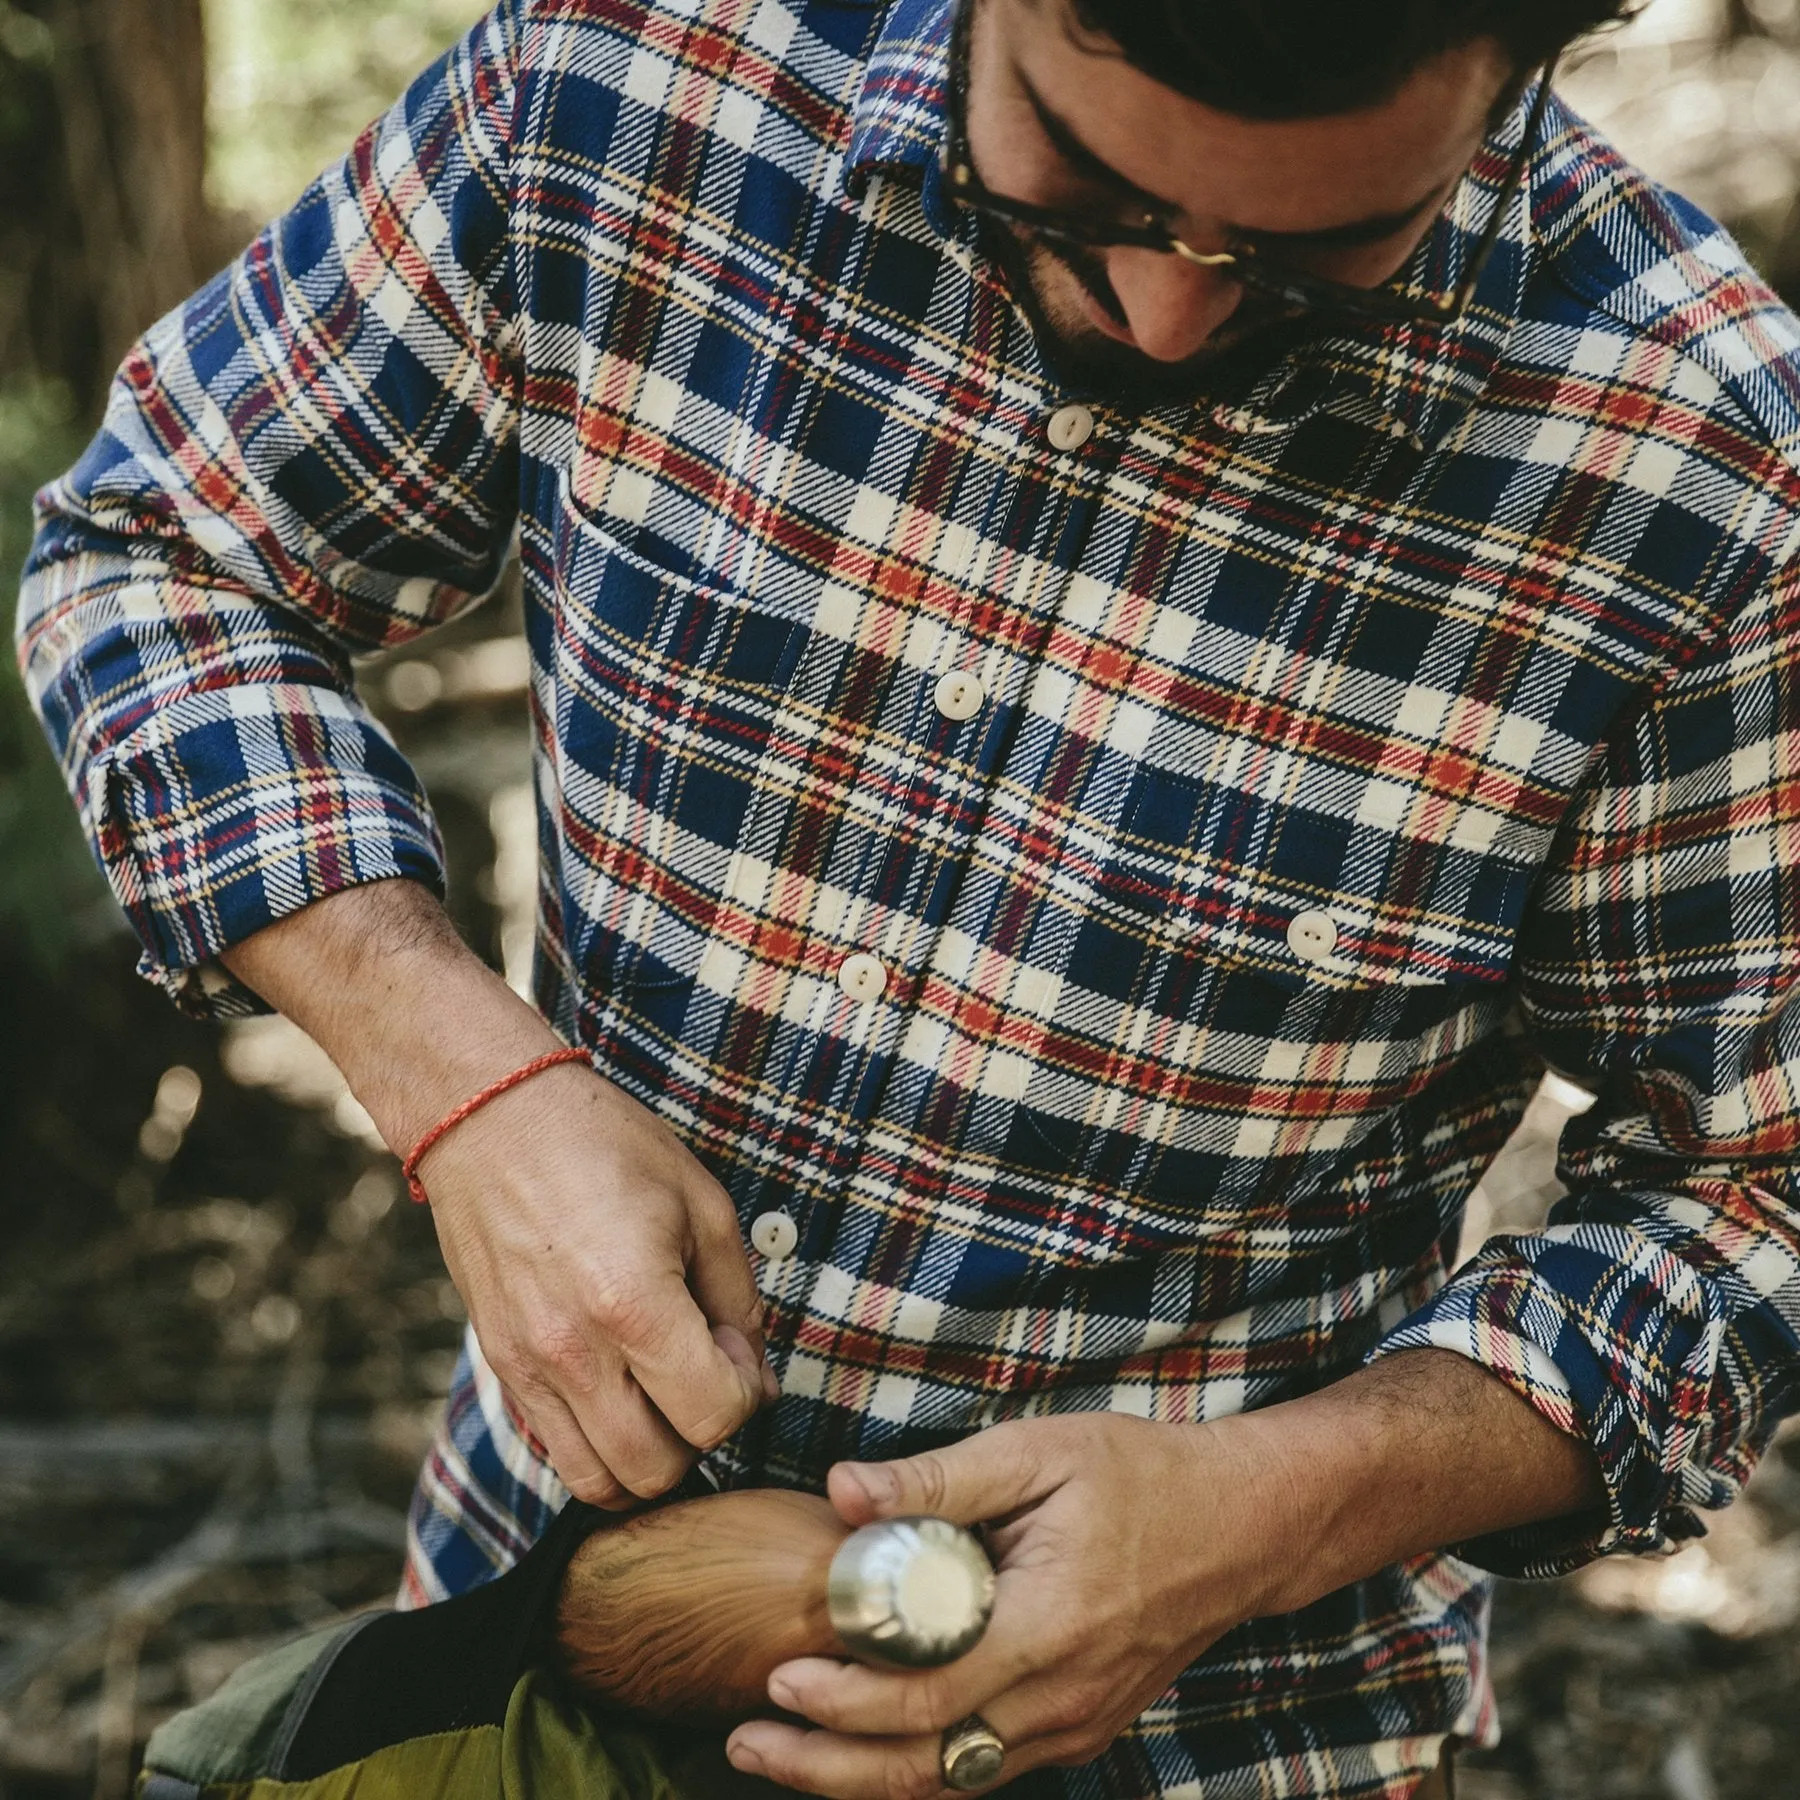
{"x":1172,"y":307}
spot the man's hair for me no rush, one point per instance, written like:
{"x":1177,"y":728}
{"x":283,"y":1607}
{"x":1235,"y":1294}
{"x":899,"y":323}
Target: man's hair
{"x":1296,"y":59}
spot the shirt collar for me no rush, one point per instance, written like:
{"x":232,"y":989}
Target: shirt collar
{"x":897,"y":123}
{"x":1415,"y":381}
{"x":1419,"y":381}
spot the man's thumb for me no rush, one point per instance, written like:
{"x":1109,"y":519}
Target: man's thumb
{"x":983,"y":1477}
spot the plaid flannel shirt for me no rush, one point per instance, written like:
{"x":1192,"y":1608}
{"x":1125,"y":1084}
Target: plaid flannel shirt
{"x":1332,"y":754}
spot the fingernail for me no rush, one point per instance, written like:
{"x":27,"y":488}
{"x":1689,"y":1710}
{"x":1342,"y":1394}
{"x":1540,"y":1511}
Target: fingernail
{"x":771,"y":1384}
{"x":744,"y":1758}
{"x":876,"y":1481}
{"x":782,"y":1695}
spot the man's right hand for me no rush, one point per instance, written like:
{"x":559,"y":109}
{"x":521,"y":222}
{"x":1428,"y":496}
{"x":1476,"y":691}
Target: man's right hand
{"x":601,"y":1265}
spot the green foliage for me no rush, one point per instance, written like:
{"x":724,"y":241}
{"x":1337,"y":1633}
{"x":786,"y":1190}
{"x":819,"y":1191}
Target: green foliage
{"x":294,"y":81}
{"x":53,"y":902}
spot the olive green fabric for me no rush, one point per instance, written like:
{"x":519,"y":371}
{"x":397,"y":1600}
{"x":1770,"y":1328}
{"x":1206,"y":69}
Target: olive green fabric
{"x":235,"y":1736}
{"x":456,"y":1765}
{"x":554,"y":1747}
{"x":549,"y":1747}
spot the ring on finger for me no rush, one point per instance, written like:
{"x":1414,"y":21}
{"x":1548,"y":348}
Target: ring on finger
{"x":971,"y":1754}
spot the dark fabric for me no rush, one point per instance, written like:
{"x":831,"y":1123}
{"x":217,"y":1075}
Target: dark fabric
{"x":449,"y":1667}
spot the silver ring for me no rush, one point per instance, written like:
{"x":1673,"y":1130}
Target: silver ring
{"x":971,"y":1755}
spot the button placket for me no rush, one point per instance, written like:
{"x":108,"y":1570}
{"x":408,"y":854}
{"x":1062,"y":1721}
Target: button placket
{"x":1066,"y":501}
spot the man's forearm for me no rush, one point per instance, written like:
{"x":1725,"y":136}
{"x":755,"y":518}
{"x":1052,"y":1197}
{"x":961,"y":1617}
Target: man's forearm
{"x":379,"y":978}
{"x":1416,"y":1452}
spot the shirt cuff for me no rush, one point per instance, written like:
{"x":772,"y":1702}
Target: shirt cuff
{"x":1612,"y":1341}
{"x":235,"y":807}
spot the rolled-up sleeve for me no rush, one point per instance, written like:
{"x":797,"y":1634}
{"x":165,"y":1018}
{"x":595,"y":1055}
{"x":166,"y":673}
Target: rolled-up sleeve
{"x":1658,"y":1315}
{"x":316,"y":456}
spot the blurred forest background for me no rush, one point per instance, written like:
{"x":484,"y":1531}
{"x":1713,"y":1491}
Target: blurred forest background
{"x":222,"y":1342}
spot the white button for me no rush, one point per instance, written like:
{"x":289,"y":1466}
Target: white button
{"x":1312,"y":936}
{"x":960,"y":696}
{"x":775,"y":1235}
{"x":862,"y":977}
{"x":1069,"y":427}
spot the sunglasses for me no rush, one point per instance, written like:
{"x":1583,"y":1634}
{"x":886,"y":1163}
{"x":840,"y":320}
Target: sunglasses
{"x":1292,"y":289}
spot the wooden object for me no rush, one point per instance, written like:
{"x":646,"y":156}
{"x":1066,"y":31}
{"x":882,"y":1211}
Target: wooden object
{"x":684,"y":1613}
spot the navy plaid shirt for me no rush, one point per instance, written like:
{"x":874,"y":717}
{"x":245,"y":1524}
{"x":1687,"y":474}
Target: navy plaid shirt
{"x":1108,"y":900}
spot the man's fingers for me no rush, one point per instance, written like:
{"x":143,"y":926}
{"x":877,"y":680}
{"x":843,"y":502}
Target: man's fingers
{"x":632,"y":1437}
{"x":847,"y":1768}
{"x":848,"y":1697}
{"x":863,"y":1702}
{"x":577,"y":1463}
{"x":749,"y":1360}
{"x":987,"y":1476}
{"x":855,"y":1767}
{"x":666,"y":1340}
{"x":602,"y":1418}
{"x":1041,"y":1720}
{"x":719,"y":1273}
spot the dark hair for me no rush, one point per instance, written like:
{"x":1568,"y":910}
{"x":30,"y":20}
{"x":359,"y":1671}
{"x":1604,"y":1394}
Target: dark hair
{"x":1295,"y":59}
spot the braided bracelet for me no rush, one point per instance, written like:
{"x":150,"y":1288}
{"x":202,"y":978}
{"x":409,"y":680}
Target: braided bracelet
{"x":506,"y":1083}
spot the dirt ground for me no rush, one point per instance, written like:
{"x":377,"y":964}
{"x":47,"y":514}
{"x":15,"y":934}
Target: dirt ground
{"x":224,"y":1334}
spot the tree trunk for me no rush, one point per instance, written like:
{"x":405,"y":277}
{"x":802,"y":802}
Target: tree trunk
{"x":106,"y":220}
{"x":131,"y":90}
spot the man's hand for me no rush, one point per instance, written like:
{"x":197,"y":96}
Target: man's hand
{"x":601,"y":1265}
{"x":605,"y":1280}
{"x":1126,"y":1548}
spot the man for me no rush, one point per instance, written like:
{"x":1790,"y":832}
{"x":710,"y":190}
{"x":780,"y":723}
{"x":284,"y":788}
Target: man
{"x":1138,"y":612}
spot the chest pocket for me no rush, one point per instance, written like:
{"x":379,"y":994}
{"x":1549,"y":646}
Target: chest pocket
{"x":666,"y":700}
{"x":1251,"y":987}
{"x":1311,"y":895}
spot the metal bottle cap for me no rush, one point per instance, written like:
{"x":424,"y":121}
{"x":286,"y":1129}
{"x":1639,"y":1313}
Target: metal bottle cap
{"x":910,"y":1593}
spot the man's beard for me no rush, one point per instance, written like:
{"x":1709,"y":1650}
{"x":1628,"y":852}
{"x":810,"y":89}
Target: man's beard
{"x":1255,"y":336}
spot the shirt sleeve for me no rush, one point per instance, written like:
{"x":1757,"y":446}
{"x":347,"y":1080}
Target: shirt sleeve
{"x":1658,"y":1315}
{"x":316,"y":456}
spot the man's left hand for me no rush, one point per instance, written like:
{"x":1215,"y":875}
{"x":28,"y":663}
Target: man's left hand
{"x":1124,"y":1548}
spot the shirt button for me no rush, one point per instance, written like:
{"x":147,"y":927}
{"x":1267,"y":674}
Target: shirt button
{"x":1069,"y":427}
{"x":1312,"y":936}
{"x":960,"y":696}
{"x":775,"y":1235}
{"x":862,"y":976}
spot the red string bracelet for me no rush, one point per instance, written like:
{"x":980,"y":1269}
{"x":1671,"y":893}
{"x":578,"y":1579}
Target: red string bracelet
{"x":506,"y":1083}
